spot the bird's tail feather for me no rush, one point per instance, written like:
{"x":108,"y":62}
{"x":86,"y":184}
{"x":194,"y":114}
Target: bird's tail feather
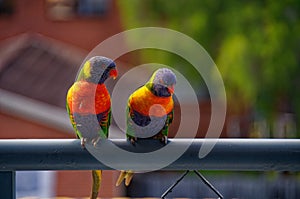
{"x":125,"y":175}
{"x":97,"y":178}
{"x":128,"y":177}
{"x":121,"y":177}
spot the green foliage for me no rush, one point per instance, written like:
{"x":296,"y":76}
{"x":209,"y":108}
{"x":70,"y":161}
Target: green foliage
{"x":255,"y":44}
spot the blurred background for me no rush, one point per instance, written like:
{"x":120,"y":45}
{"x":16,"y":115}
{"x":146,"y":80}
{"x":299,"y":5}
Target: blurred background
{"x":255,"y":45}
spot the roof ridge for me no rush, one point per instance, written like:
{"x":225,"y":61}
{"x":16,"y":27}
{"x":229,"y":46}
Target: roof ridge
{"x":13,"y":45}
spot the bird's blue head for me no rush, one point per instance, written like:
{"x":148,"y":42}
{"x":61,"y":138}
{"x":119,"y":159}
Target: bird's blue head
{"x":97,"y":69}
{"x":163,"y":82}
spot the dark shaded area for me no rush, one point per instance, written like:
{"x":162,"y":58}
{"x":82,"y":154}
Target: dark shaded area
{"x":39,"y":72}
{"x":259,"y":185}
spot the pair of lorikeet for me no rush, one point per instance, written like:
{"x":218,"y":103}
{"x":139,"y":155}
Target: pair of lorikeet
{"x":88,"y":99}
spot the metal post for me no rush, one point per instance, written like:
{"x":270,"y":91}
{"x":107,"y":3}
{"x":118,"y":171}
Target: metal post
{"x":170,"y":189}
{"x":205,"y":181}
{"x":8,"y":184}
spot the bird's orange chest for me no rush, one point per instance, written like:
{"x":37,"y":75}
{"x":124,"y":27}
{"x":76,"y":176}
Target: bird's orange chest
{"x":88,"y":98}
{"x":146,"y":103}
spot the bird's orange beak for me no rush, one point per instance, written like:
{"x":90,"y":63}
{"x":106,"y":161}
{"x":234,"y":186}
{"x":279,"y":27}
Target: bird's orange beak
{"x":113,"y":73}
{"x":171,"y":88}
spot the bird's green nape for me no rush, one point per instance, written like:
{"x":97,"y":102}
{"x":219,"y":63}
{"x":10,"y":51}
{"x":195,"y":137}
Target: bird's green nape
{"x":152,"y":78}
{"x":85,"y":71}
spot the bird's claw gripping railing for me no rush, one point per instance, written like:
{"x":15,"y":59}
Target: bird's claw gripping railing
{"x":67,"y":154}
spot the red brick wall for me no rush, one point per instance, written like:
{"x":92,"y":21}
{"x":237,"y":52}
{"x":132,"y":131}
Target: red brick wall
{"x":83,"y":32}
{"x":79,"y":183}
{"x":13,"y":127}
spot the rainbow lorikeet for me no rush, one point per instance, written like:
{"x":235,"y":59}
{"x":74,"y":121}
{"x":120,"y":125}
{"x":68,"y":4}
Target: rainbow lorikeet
{"x":150,"y":111}
{"x":89,"y":106}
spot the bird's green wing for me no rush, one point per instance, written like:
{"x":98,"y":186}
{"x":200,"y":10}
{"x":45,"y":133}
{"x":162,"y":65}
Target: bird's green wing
{"x":105,"y":121}
{"x":169,"y":120}
{"x":71,"y":116}
{"x":129,"y":129}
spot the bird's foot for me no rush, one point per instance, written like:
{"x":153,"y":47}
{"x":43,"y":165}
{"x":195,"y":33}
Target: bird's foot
{"x":95,"y":141}
{"x":133,"y":140}
{"x":164,"y":139}
{"x":82,"y":142}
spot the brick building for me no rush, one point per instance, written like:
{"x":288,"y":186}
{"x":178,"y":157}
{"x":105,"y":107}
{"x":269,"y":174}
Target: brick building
{"x":42,"y":45}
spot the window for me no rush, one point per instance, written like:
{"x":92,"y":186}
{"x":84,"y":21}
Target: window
{"x":92,"y":7}
{"x":68,"y":9}
{"x":6,"y":7}
{"x":40,"y":184}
